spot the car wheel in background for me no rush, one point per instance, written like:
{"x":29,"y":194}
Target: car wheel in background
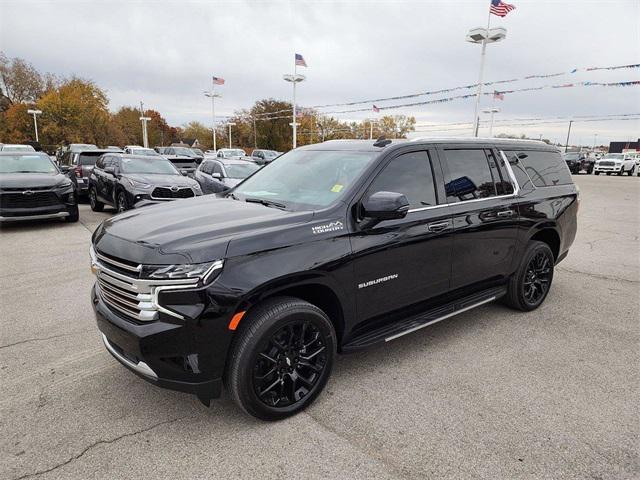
{"x":529,"y":286}
{"x":94,"y":203}
{"x":74,"y":215}
{"x":596,"y":173}
{"x":630,"y":172}
{"x":121,"y":203}
{"x":281,"y":358}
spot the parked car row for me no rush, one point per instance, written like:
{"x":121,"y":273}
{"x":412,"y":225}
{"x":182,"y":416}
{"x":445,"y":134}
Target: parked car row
{"x":618,"y":163}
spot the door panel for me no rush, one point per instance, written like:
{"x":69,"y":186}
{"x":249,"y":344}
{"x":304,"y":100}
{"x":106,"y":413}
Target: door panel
{"x":485,"y":215}
{"x":402,"y":262}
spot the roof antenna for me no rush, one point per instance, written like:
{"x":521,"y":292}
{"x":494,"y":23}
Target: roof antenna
{"x":381,"y":142}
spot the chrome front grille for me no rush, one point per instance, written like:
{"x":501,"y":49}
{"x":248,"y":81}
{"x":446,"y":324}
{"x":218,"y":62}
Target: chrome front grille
{"x":120,"y":288}
{"x":171,"y":193}
{"x":607,"y":163}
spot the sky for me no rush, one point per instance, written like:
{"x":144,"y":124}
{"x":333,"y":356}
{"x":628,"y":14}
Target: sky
{"x":165,"y":52}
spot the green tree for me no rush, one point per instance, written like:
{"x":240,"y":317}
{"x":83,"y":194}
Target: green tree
{"x":20,"y":82}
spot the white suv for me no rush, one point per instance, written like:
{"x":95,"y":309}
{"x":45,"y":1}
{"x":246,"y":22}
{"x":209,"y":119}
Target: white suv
{"x":615,"y":163}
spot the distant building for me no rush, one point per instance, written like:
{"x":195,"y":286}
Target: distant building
{"x":619,"y":147}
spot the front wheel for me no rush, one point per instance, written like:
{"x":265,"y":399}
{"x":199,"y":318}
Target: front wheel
{"x":529,"y":286}
{"x":281,"y":358}
{"x":95,"y":204}
{"x":74,"y":215}
{"x":596,"y":173}
{"x":122,"y":205}
{"x":630,"y":172}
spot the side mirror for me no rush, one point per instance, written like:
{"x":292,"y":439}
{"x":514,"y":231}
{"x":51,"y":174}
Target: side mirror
{"x":110,"y":171}
{"x":184,"y":172}
{"x":386,"y":206}
{"x":216,"y":175}
{"x":64,"y":168}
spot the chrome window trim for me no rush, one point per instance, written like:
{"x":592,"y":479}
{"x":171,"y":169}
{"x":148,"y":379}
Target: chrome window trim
{"x":512,"y":178}
{"x":140,"y":367}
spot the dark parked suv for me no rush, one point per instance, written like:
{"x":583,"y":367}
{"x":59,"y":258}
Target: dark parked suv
{"x":132,"y":181}
{"x":82,"y":163}
{"x":332,"y":248}
{"x":577,"y":161}
{"x":32,"y":187}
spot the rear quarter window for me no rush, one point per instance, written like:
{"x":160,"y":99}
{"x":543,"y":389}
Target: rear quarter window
{"x":545,"y":169}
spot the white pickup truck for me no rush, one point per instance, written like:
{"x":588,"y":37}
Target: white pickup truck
{"x":615,"y":163}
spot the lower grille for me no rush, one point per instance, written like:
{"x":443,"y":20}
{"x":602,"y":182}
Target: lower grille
{"x":607,"y":164}
{"x":168,"y":193}
{"x":32,"y":200}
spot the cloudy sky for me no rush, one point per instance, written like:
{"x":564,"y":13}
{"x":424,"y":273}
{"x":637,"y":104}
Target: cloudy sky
{"x":164,"y":53}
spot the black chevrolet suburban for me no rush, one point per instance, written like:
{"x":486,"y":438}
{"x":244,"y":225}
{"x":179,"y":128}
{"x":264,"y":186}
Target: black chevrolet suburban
{"x":330,"y":248}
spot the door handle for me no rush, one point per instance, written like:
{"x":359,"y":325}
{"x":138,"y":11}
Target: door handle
{"x":438,"y":226}
{"x":506,"y":213}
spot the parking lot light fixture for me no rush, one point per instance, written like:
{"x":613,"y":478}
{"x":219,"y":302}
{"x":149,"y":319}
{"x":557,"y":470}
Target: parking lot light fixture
{"x":35,"y":114}
{"x":483,"y":36}
{"x":213,"y":95}
{"x":492,"y":111}
{"x":294,"y":79}
{"x":230,"y":124}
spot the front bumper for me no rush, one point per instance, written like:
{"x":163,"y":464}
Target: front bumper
{"x":185,"y":355}
{"x":64,"y":205}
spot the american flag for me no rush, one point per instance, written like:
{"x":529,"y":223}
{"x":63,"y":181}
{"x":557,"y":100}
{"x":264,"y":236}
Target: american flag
{"x":498,"y":95}
{"x":376,"y":109}
{"x":500,"y":9}
{"x":218,"y":81}
{"x":300,"y":60}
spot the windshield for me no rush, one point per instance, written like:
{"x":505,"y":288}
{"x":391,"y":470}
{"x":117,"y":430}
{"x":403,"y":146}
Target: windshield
{"x":152,"y":166}
{"x":571,"y":156}
{"x":233,"y":153}
{"x":82,"y":146}
{"x":197,"y":151}
{"x":18,"y":148}
{"x":240,"y":170}
{"x":306,"y":179}
{"x":144,"y":151}
{"x":25,"y":163}
{"x":615,"y":156}
{"x":184,"y":151}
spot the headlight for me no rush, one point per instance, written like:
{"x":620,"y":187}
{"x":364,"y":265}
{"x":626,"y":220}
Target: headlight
{"x":196,"y":271}
{"x":137,"y":184}
{"x":63,"y":186}
{"x":196,"y":187}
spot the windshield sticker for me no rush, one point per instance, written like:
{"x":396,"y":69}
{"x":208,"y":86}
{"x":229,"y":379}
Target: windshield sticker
{"x":378,"y":280}
{"x":337,"y":188}
{"x":328,"y":227}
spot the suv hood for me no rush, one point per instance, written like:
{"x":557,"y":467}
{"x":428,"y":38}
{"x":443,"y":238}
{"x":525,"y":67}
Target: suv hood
{"x":30,"y":180}
{"x":193,"y":230}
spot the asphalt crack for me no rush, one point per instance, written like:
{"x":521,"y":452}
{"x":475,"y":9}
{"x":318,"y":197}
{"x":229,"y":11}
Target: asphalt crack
{"x":38,"y":339}
{"x":95,"y":444}
{"x":597,"y":275}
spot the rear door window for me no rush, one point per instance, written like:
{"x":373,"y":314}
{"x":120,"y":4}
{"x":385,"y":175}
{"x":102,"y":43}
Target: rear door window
{"x":87,"y":159}
{"x":410,"y":174}
{"x":469,"y":175}
{"x":520,"y":172}
{"x":545,"y":169}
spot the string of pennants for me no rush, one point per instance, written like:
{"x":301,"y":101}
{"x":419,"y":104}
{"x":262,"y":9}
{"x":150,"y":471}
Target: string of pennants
{"x":475,"y":85}
{"x":501,"y":92}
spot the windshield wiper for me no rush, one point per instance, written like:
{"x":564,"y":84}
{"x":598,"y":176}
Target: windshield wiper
{"x":266,"y":203}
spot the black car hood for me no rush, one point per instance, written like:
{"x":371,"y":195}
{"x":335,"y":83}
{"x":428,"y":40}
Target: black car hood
{"x":163,"y":180}
{"x":30,"y":180}
{"x":193,"y":230}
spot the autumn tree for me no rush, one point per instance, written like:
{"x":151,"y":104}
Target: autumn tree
{"x":200,"y":132}
{"x":20,"y":82}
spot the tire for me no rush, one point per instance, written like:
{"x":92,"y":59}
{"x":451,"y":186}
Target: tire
{"x":596,"y":173}
{"x":266,"y":365}
{"x":630,"y":172}
{"x":590,"y":171}
{"x":122,"y":205}
{"x":96,"y":205}
{"x":537,"y":259}
{"x":74,"y":215}
{"x":608,"y":173}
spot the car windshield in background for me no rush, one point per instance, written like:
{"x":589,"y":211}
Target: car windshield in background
{"x":82,"y":146}
{"x":25,"y":163}
{"x":184,"y":151}
{"x":305,"y":179}
{"x":18,"y":148}
{"x":144,"y":151}
{"x":88,"y":158}
{"x":571,"y":156}
{"x":614,"y":156}
{"x":197,"y":151}
{"x":233,"y":153}
{"x":241,"y":170}
{"x":151,"y":166}
{"x":270,"y":154}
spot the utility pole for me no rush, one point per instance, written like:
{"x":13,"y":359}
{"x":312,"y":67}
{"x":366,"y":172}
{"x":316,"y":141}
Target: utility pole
{"x":566,"y":145}
{"x":255,"y":134}
{"x":144,"y":120}
{"x":230,"y":125}
{"x":213,"y":95}
{"x":35,"y":113}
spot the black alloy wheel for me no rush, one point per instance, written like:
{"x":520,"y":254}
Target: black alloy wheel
{"x":121,"y":204}
{"x":289,"y":365}
{"x":280,"y":358}
{"x":537,"y":278}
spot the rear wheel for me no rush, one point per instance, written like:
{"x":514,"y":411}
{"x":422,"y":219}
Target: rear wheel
{"x":281,"y":358}
{"x":95,"y":204}
{"x":596,"y":173}
{"x":630,"y":172}
{"x":529,"y":286}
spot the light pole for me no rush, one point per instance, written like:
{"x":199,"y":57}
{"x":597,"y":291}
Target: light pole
{"x":144,"y":120}
{"x":492,"y":111}
{"x":213,"y":95}
{"x":483,"y":36}
{"x":595,"y":139}
{"x":35,"y":114}
{"x":371,"y":122}
{"x":230,"y":125}
{"x":566,"y":145}
{"x":295,"y":78}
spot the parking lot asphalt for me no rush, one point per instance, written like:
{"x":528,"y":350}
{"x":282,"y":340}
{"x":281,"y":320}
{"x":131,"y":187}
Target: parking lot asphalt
{"x":491,"y":393}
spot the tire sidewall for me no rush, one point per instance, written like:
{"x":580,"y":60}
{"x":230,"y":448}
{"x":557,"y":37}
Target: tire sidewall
{"x":121,"y":200}
{"x":268,"y":326}
{"x":533,"y":250}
